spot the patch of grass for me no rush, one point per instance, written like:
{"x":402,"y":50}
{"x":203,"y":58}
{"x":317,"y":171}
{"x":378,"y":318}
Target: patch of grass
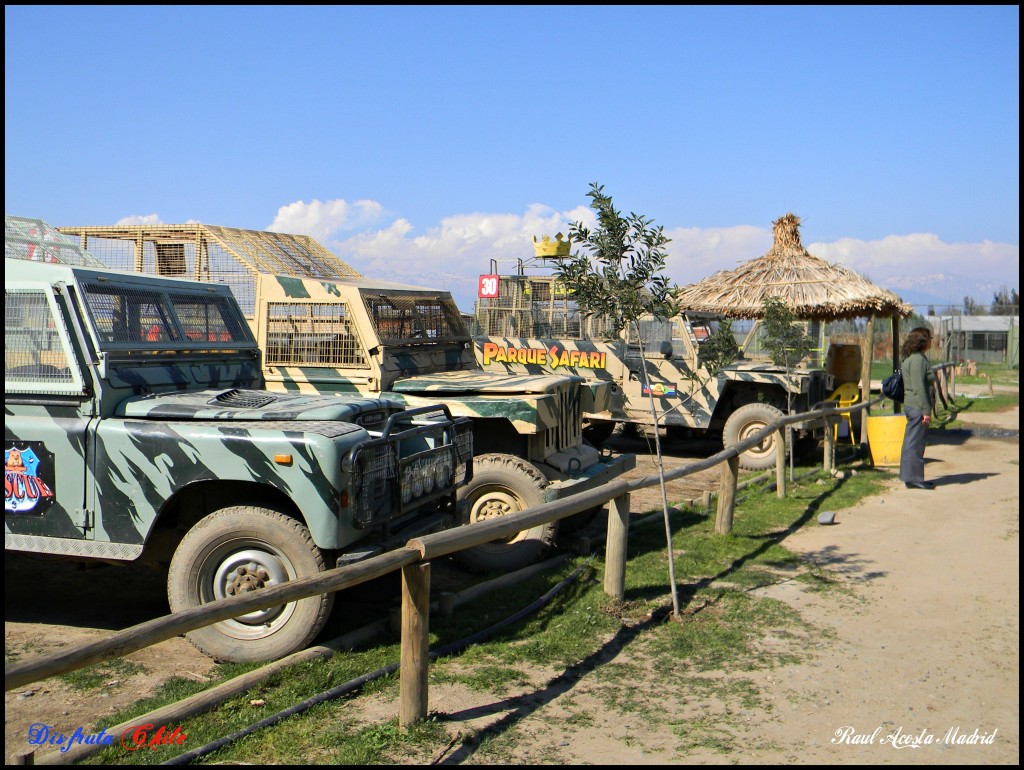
{"x":12,"y":654}
{"x":947,"y":416}
{"x":999,"y":402}
{"x":485,"y":677}
{"x":998,"y":374}
{"x":497,"y":748}
{"x":101,"y":674}
{"x":372,"y":744}
{"x":728,"y":630}
{"x":580,"y":719}
{"x":704,"y":733}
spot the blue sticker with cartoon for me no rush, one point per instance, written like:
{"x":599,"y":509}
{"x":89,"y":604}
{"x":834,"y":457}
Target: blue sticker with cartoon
{"x":28,"y":479}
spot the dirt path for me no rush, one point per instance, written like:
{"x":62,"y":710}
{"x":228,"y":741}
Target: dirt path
{"x":925,"y":643}
{"x":928,"y":645}
{"x":923,"y":648}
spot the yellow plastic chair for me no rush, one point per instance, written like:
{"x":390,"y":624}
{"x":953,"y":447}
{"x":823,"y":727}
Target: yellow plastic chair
{"x":846,"y":395}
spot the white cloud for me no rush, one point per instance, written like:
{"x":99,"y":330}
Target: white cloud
{"x":453,"y":254}
{"x":696,"y":253}
{"x":923,"y":262}
{"x":321,"y":219}
{"x":140,"y":219}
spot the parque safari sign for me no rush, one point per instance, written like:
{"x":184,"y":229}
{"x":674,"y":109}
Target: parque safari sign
{"x":552,"y":357}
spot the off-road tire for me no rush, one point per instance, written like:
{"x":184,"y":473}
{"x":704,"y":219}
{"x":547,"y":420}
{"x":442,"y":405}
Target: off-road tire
{"x":596,"y":432}
{"x":570,"y":525}
{"x":503,"y":484}
{"x":271,"y":549}
{"x":749,"y":419}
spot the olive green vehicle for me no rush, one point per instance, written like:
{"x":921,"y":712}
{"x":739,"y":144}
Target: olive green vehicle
{"x":531,"y":325}
{"x":137,"y":428}
{"x":324,"y":329}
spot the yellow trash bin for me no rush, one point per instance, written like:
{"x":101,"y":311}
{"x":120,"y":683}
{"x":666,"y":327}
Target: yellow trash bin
{"x":885,"y":438}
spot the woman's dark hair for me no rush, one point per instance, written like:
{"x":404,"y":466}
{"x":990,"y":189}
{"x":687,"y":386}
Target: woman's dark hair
{"x":916,"y":341}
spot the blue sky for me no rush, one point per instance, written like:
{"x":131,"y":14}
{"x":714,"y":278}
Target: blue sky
{"x":421,"y":142}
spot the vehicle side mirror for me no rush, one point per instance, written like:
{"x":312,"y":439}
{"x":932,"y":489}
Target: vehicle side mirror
{"x":666,"y":349}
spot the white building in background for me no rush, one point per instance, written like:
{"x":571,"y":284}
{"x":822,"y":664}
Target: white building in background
{"x":987,"y":339}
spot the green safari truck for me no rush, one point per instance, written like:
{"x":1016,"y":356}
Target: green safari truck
{"x":137,"y":428}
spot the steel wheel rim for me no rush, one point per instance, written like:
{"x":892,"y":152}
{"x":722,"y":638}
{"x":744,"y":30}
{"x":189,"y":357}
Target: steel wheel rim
{"x":247,"y":567}
{"x":767,"y":443}
{"x":493,"y":502}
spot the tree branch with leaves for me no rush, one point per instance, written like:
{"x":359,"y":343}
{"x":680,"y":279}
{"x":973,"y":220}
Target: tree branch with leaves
{"x":617,"y":275}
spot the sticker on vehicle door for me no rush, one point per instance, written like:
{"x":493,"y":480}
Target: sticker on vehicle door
{"x":28,"y":478}
{"x":660,"y":390}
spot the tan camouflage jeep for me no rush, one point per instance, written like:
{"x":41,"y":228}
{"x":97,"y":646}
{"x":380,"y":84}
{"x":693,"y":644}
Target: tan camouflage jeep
{"x":531,"y":325}
{"x":325,"y":329}
{"x":136,"y":428}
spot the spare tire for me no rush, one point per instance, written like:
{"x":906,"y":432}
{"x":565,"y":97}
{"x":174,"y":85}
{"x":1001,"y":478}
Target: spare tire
{"x":746,"y":421}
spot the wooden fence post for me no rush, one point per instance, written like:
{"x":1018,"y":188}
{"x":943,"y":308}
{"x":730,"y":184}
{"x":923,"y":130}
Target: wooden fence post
{"x":780,"y":463}
{"x":615,"y":548}
{"x":415,"y":654}
{"x":727,"y":495}
{"x":830,"y":448}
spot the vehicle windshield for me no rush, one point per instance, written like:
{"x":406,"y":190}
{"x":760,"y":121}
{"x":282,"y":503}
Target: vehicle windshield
{"x":151,"y":316}
{"x":413,"y":319}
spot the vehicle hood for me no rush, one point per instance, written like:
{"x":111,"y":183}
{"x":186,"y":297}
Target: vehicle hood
{"x":240,"y":404}
{"x":481,"y":383}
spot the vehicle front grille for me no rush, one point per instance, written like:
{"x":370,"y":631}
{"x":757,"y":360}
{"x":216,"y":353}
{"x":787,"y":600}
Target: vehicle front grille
{"x":568,"y":432}
{"x":392,"y":476}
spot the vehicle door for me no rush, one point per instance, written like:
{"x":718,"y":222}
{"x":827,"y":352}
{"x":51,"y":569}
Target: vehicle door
{"x":48,"y":409}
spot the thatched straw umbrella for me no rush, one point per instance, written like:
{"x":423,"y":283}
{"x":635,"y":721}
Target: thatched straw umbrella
{"x":812,"y":289}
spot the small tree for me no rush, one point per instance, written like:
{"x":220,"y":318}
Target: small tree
{"x":784,"y":340}
{"x":617,"y":275}
{"x":1005,"y":302}
{"x":720,"y":349}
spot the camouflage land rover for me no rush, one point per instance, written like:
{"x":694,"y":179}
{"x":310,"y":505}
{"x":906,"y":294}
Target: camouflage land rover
{"x":330,"y":330}
{"x":136,"y":428}
{"x":531,"y":325}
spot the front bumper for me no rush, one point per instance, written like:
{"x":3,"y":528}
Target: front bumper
{"x":608,"y":469}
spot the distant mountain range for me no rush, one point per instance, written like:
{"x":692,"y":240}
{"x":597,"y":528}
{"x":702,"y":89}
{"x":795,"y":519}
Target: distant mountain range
{"x":922,"y":300}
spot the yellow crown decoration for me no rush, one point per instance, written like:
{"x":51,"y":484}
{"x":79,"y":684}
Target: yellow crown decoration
{"x":546,"y":247}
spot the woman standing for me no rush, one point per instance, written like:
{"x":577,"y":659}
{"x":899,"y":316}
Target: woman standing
{"x":918,"y":401}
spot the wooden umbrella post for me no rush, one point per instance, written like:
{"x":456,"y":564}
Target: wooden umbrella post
{"x":897,"y":407}
{"x":865,"y":375}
